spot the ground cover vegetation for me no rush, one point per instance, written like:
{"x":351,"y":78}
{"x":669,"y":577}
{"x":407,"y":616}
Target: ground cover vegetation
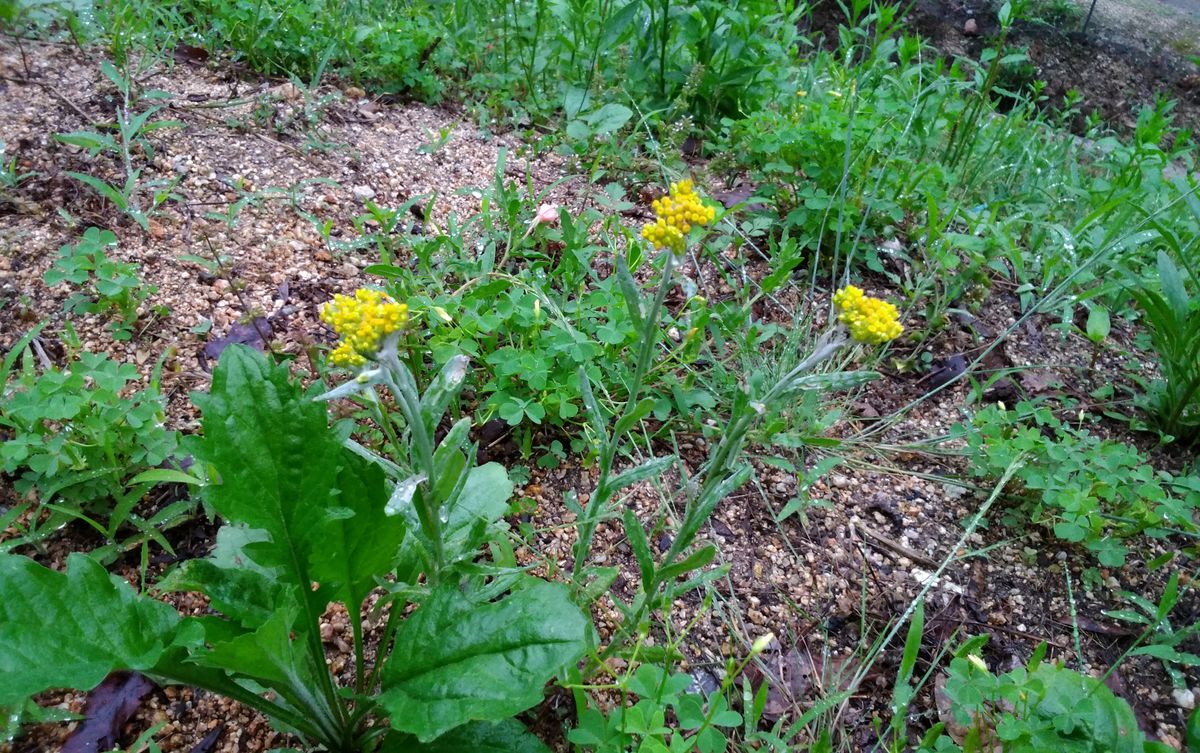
{"x":756,"y":232}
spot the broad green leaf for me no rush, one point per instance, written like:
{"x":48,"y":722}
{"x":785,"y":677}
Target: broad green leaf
{"x":457,"y":660}
{"x":445,"y":387}
{"x":275,"y":458}
{"x":1111,"y":722}
{"x":1172,"y":285}
{"x":358,"y":548}
{"x":616,"y":24}
{"x":484,"y":500}
{"x":243,"y":594}
{"x":611,"y":117}
{"x":507,"y":736}
{"x":1098,"y":324}
{"x":71,"y":629}
{"x":274,"y":655}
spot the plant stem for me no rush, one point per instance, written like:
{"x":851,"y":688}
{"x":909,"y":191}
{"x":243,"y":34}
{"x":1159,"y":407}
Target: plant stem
{"x":587,"y":526}
{"x":404,"y":388}
{"x":663,"y":41}
{"x":700,"y":505}
{"x":356,"y":630}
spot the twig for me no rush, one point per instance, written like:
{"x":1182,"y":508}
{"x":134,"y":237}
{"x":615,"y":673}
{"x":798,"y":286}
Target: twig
{"x":55,"y":92}
{"x":36,"y":344}
{"x":895,"y":546}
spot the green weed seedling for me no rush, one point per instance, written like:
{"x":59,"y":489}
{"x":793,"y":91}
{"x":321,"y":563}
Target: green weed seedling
{"x":105,"y":286}
{"x":1171,"y":312}
{"x":77,"y":440}
{"x":1041,"y":706}
{"x":1160,"y":638}
{"x":701,"y":722}
{"x":10,"y":177}
{"x":132,"y":196}
{"x":1089,"y":491}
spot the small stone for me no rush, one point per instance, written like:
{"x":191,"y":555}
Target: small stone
{"x":1184,"y":698}
{"x":363,"y":193}
{"x":840,"y":482}
{"x":953,"y":491}
{"x":970,"y":28}
{"x":289,"y":92}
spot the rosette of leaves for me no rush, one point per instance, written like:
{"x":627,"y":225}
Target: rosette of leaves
{"x":306,"y":526}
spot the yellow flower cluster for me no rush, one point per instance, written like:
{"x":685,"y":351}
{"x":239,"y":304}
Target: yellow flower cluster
{"x":362,"y":321}
{"x":676,"y":214}
{"x":871,"y":320}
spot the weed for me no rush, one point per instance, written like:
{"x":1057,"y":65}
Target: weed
{"x":106,"y":286}
{"x":132,"y":128}
{"x":78,"y":438}
{"x":1090,"y":491}
{"x":1039,"y":706}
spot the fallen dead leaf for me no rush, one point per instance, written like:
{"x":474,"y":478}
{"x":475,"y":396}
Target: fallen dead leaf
{"x":108,"y":707}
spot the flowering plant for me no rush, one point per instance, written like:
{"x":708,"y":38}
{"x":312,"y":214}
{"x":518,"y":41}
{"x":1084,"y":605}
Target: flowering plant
{"x":314,"y":519}
{"x":860,"y":318}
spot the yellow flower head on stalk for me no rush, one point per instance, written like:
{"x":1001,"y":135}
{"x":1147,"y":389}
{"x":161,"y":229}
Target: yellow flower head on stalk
{"x":362,"y":321}
{"x":871,"y":320}
{"x":675,"y":214}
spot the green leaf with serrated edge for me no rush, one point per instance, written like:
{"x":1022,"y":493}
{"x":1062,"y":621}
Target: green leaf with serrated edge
{"x":456,"y":660}
{"x":355,"y":550}
{"x":276,"y":459}
{"x":507,"y":736}
{"x":71,"y":629}
{"x":248,"y":596}
{"x":274,"y":655}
